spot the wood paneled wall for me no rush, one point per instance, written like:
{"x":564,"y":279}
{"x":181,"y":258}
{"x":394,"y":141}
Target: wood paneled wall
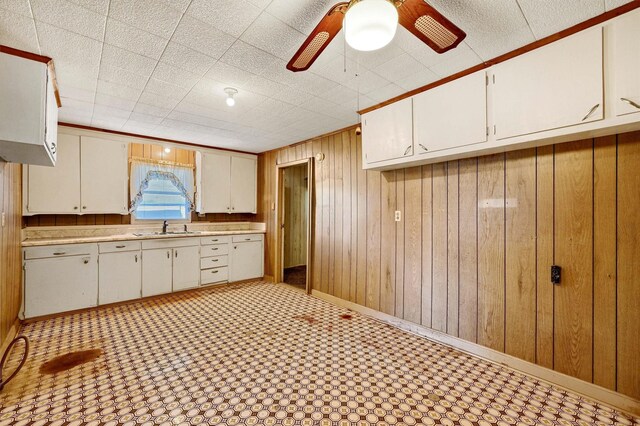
{"x":10,"y":257}
{"x":295,"y":216}
{"x":146,"y":151}
{"x":471,"y":256}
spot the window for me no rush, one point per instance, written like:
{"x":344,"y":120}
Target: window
{"x":161,"y":192}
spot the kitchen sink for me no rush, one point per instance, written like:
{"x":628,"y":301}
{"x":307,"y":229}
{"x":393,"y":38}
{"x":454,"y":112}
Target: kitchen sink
{"x":147,"y":234}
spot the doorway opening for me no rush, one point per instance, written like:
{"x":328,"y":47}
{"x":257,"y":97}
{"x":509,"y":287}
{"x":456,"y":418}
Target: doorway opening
{"x":294,"y":223}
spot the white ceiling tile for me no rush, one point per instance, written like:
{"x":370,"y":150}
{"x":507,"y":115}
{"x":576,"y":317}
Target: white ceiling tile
{"x":165,"y":89}
{"x":98,"y":6}
{"x":155,"y":111}
{"x":18,"y":31}
{"x":69,"y":49}
{"x":74,"y":115}
{"x":371,"y":60}
{"x":157,"y":100}
{"x":612,"y":4}
{"x":273,"y":36}
{"x":387,"y":92}
{"x":70,"y":16}
{"x":492,"y":28}
{"x":314,"y":84}
{"x":399,"y":67}
{"x":104,"y":111}
{"x":70,"y":92}
{"x":340,"y":94}
{"x":228,"y":74}
{"x":301,"y":15}
{"x":419,"y":79}
{"x":108,"y":122}
{"x":231,"y":16}
{"x":152,"y":16}
{"x":366,"y":82}
{"x":132,"y":62}
{"x":119,"y":90}
{"x":546,"y":17}
{"x":137,"y":127}
{"x":337,"y":70}
{"x":202,"y":37}
{"x":183,"y":57}
{"x":291,"y":95}
{"x":139,"y":117}
{"x":20,"y":7}
{"x":249,"y":58}
{"x":133,"y":39}
{"x":180,"y":5}
{"x":114,"y":102}
{"x":463,"y":58}
{"x":275,"y":106}
{"x":262,"y":86}
{"x":174,"y":75}
{"x":121,"y":76}
{"x":197,"y":119}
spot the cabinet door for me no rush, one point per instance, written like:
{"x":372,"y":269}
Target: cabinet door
{"x":214,"y":191}
{"x":56,"y":189}
{"x":186,"y":267}
{"x":243,"y":184}
{"x":247,"y":260}
{"x":387,"y":133}
{"x":555,"y":86}
{"x":626,"y":63}
{"x":156,"y":272}
{"x":104,"y":176}
{"x":119,"y":277}
{"x":60,"y":285}
{"x":437,"y":114}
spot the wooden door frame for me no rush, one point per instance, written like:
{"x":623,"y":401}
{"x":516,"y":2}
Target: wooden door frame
{"x":279,"y":225}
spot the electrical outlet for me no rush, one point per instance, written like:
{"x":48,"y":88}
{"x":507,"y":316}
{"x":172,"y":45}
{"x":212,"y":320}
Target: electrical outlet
{"x":398,"y":216}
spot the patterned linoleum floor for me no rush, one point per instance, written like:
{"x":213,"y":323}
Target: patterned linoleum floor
{"x":268,"y":354}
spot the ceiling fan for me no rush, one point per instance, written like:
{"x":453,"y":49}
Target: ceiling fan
{"x":371,"y":24}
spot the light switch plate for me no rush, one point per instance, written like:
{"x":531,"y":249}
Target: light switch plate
{"x":4,"y":219}
{"x":398,"y":216}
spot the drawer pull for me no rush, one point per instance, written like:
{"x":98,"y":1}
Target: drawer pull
{"x":630,"y":102}
{"x":215,"y":260}
{"x":59,"y":253}
{"x":215,"y":240}
{"x":215,"y":248}
{"x":120,"y":246}
{"x":214,"y":271}
{"x":247,"y":239}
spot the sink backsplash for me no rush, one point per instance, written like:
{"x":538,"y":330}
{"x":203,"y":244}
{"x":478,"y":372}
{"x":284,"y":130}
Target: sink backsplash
{"x":52,"y":232}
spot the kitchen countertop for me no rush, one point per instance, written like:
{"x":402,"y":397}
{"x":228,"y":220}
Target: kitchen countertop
{"x":34,"y":237}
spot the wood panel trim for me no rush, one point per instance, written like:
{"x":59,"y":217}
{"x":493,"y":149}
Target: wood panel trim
{"x":153,"y":138}
{"x":596,"y":20}
{"x":616,"y":400}
{"x":324,"y":135}
{"x":38,"y":58}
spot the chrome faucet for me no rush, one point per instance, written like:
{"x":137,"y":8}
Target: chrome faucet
{"x":164,"y":227}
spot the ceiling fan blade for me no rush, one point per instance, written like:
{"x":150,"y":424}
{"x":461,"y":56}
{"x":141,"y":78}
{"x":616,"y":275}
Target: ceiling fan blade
{"x":319,"y":39}
{"x":429,"y":25}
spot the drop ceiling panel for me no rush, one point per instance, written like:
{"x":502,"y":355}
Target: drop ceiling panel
{"x":159,"y":67}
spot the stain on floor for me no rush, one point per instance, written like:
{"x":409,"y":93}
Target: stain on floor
{"x":68,"y":361}
{"x":187,"y":360}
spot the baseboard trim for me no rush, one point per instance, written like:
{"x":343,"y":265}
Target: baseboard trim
{"x":269,"y":278}
{"x":14,"y":330}
{"x":586,"y":389}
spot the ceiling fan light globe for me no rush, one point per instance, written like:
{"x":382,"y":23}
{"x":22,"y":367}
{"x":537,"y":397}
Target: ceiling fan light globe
{"x":370,"y":24}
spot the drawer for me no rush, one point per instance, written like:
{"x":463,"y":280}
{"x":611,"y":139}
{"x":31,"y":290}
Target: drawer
{"x":247,"y":237}
{"x":214,"y":262}
{"x":170,"y":242}
{"x":60,"y":251}
{"x":214,"y":250}
{"x":119,"y":246}
{"x":215,"y":239}
{"x":217,"y":275}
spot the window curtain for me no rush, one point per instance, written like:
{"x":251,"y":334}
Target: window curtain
{"x":142,"y":172}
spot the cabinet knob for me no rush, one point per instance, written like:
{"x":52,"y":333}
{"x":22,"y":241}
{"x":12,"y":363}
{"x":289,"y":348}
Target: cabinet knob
{"x":85,"y":260}
{"x":75,"y":207}
{"x":84,"y":207}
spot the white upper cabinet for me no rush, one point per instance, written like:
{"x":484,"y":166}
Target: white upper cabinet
{"x":244,"y":184}
{"x":29,"y":121}
{"x":555,"y":86}
{"x":104,"y":176}
{"x":90,"y":177}
{"x":226,"y":183}
{"x":451,"y":115}
{"x":387,"y":133}
{"x":55,"y":189}
{"x":626,"y":63}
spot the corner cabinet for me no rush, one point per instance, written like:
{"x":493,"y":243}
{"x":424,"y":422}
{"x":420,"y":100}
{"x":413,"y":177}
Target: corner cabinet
{"x":626,"y":63}
{"x":29,"y":111}
{"x":226,"y":183}
{"x":387,"y":133}
{"x":555,"y":86}
{"x":91,"y":176}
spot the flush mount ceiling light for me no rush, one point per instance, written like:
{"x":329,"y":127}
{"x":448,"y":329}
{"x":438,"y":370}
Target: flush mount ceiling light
{"x":230,"y":91}
{"x":370,"y":24}
{"x":167,"y":150}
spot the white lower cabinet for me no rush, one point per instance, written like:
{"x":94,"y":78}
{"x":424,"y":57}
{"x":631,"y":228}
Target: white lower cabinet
{"x":119,"y":277}
{"x":59,"y":279}
{"x":247,"y":257}
{"x":157,"y":272}
{"x":186,"y":267}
